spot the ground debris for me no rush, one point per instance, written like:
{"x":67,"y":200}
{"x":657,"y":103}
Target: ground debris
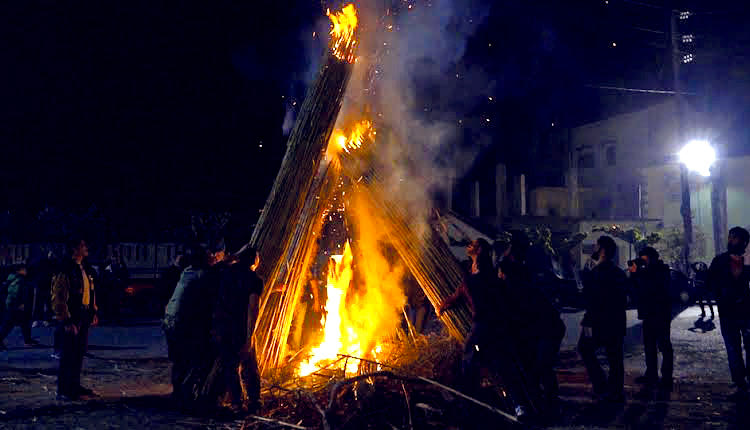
{"x":397,"y":391}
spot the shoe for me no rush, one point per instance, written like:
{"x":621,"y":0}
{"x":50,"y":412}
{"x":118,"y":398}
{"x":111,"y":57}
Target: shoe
{"x":520,"y":412}
{"x":35,"y":324}
{"x":32,"y":342}
{"x":646,"y":380}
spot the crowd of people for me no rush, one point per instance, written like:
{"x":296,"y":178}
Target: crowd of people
{"x":208,"y":324}
{"x":210,"y":311}
{"x":516,"y":331}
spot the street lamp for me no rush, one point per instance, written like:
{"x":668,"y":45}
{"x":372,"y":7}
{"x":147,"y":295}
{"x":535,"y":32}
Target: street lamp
{"x":698,"y":156}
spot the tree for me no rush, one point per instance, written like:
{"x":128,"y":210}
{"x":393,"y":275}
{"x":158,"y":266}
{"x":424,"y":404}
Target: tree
{"x":671,"y":251}
{"x":633,"y":236}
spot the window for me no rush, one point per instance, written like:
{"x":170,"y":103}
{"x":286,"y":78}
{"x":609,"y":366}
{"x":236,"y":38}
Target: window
{"x":611,"y":155}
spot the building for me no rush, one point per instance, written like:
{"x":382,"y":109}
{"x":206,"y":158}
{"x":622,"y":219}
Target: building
{"x":622,"y":170}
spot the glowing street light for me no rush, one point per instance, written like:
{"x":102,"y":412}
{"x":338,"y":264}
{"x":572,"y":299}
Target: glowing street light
{"x":698,"y":156}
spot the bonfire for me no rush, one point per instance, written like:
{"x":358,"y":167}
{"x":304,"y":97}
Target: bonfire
{"x":364,"y":336}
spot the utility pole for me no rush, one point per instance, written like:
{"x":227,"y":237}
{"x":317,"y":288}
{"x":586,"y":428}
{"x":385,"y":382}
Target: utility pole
{"x":685,"y":209}
{"x":719,"y":203}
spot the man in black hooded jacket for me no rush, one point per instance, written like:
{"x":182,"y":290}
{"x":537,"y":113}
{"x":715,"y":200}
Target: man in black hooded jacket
{"x":604,"y":323}
{"x":651,"y":278}
{"x":729,"y":279}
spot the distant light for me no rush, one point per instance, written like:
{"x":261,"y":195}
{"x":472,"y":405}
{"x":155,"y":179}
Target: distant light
{"x":487,"y":119}
{"x":614,"y":44}
{"x":687,"y":58}
{"x":698,"y":156}
{"x":688,"y":38}
{"x":490,"y":98}
{"x":685,"y":14}
{"x":260,"y":146}
{"x":553,"y":124}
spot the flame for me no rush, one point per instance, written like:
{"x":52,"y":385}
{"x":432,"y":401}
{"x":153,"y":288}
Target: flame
{"x":339,"y":276}
{"x":351,"y":140}
{"x":343,"y":25}
{"x":358,"y":319}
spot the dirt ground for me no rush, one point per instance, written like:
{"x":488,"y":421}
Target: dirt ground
{"x":127,"y":366}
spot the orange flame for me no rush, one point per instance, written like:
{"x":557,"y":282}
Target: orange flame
{"x":339,"y":275}
{"x":343,"y":25}
{"x":356,"y":137}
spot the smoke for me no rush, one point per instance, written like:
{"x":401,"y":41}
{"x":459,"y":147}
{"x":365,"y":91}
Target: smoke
{"x":411,"y":73}
{"x":314,"y":41}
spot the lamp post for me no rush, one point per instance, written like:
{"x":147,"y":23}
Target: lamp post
{"x":697,"y":156}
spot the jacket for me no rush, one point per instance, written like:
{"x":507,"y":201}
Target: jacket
{"x":652,"y":291}
{"x":188,"y":312}
{"x":481,"y":292}
{"x":732,"y":294}
{"x":604,"y":294}
{"x":20,"y":292}
{"x":530,"y":314}
{"x":232,"y":323}
{"x":67,"y":293}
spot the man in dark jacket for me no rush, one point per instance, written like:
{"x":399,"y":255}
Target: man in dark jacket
{"x":187,"y":325}
{"x":479,"y":290}
{"x":74,"y":306}
{"x":535,"y":323}
{"x":234,"y":316}
{"x":604,"y":321}
{"x":651,"y":278}
{"x":18,"y":306}
{"x":729,"y":279}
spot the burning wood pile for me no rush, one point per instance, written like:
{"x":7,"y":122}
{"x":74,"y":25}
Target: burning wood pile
{"x":330,"y":177}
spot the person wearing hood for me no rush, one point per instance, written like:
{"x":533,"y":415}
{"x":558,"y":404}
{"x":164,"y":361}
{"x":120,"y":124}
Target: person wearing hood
{"x":651,"y":280}
{"x":729,"y":279}
{"x":18,"y":306}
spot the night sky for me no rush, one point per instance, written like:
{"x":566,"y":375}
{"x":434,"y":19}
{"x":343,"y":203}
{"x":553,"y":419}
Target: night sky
{"x":153,"y":106}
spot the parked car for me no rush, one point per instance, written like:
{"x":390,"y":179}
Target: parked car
{"x":140,"y":298}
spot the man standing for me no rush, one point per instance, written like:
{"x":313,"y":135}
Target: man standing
{"x":74,"y":306}
{"x":729,"y":278}
{"x":537,"y":327}
{"x":18,"y":306}
{"x":604,"y":321}
{"x":187,"y":325}
{"x":652,"y":279}
{"x":235,"y":313}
